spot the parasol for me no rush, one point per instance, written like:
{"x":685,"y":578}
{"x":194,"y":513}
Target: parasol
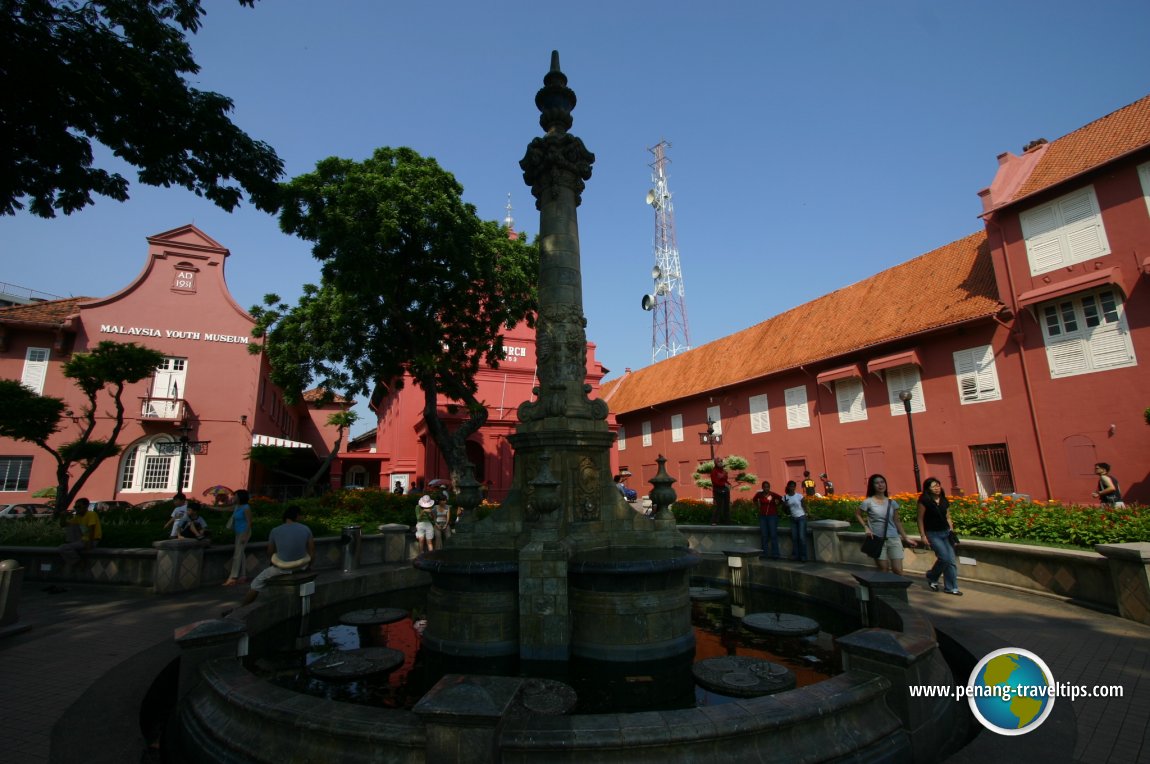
{"x":438,"y":482}
{"x":219,"y":493}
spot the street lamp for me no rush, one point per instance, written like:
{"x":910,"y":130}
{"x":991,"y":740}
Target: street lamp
{"x":710,"y":437}
{"x":905,"y":397}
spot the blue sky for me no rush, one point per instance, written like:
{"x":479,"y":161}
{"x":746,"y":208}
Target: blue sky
{"x":813,"y":143}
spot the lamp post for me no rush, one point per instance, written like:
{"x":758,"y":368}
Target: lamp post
{"x":710,"y":437}
{"x":185,"y":431}
{"x":905,"y":397}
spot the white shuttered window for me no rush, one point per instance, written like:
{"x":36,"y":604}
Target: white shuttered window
{"x":798,"y":415}
{"x":646,"y":434}
{"x":904,"y":378}
{"x":35,"y":369}
{"x":713,"y":415}
{"x":1144,"y":176}
{"x":852,"y":405}
{"x":760,"y":416}
{"x":1065,"y":231}
{"x":1086,"y":334}
{"x":676,"y":428}
{"x":976,"y":375}
{"x":622,"y":438}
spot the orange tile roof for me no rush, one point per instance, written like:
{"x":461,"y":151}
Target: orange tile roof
{"x":950,"y":285}
{"x":316,"y":395}
{"x":49,"y":312}
{"x":1093,"y":145}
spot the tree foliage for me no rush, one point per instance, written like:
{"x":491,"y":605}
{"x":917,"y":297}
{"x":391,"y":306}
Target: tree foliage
{"x":33,"y":418}
{"x":412,"y":280}
{"x":115,"y":72}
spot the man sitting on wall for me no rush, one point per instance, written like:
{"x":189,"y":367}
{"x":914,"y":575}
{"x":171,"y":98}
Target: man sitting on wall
{"x":291,"y":546}
{"x":192,"y":526}
{"x":81,"y":532}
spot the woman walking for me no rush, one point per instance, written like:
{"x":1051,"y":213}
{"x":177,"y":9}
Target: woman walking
{"x":935,"y":527}
{"x":241,"y":525}
{"x":878,"y":513}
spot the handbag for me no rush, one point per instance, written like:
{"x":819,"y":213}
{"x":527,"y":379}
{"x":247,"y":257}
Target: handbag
{"x":231,"y":522}
{"x":952,"y":537}
{"x":872,"y":545}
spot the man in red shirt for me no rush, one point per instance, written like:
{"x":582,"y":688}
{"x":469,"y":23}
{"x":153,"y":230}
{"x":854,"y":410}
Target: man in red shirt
{"x":721,"y":491}
{"x":768,"y":503}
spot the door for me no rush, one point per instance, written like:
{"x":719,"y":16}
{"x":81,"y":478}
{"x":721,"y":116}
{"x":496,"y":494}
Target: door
{"x":941,"y":465}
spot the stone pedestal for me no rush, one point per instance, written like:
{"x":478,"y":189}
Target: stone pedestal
{"x":825,"y":542}
{"x":203,"y":641}
{"x":462,"y":715}
{"x":11,"y":576}
{"x":179,"y":565}
{"x":1130,"y":573}
{"x":395,"y":542}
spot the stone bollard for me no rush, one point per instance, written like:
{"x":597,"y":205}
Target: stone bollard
{"x":203,"y":641}
{"x":1129,"y":566}
{"x":179,"y":565}
{"x":395,"y":542}
{"x":11,"y":576}
{"x":825,"y":540}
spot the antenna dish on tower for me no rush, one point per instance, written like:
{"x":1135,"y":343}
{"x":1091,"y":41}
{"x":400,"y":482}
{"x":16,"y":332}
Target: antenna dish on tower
{"x":651,"y":197}
{"x":656,"y":272}
{"x":648,"y":302}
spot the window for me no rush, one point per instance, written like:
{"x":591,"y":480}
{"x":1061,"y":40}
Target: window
{"x":151,"y":465}
{"x":14,"y":472}
{"x":1086,"y":334}
{"x":622,"y":438}
{"x":902,"y":378}
{"x":35,"y":369}
{"x":1068,"y":230}
{"x":760,"y":417}
{"x":714,"y":416}
{"x":849,"y":395}
{"x":646,"y":434}
{"x":992,"y":469}
{"x":798,"y":415}
{"x":977,"y":379}
{"x":676,"y":428}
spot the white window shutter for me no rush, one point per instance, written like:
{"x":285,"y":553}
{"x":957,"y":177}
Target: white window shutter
{"x":1065,"y":231}
{"x":35,"y":369}
{"x":851,"y":404}
{"x":798,"y":416}
{"x":904,"y":378}
{"x":760,"y":415}
{"x":976,"y":375}
{"x":1110,"y":346}
{"x":1067,"y":356}
{"x":676,"y":428}
{"x":622,"y":438}
{"x":646,"y":434}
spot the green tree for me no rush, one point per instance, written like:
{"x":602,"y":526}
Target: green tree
{"x":33,"y":418}
{"x":412,"y":280}
{"x":115,"y":72}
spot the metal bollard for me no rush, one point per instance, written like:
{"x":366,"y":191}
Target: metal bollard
{"x":352,"y":541}
{"x":11,"y":576}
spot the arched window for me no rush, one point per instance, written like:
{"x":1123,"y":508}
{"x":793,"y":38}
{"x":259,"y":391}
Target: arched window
{"x":150,"y":464}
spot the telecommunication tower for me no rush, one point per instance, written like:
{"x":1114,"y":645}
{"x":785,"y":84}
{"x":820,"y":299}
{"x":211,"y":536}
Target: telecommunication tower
{"x":668,"y":311}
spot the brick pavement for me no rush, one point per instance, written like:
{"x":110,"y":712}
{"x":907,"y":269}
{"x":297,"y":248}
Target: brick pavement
{"x":83,"y":643}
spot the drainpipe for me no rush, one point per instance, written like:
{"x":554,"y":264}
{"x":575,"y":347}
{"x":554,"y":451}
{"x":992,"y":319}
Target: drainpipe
{"x":1017,"y":334}
{"x":819,"y":419}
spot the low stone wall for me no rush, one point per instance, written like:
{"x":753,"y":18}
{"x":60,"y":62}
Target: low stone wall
{"x":177,"y":565}
{"x":1113,"y":577}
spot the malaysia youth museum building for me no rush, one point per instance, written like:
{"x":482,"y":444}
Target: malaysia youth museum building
{"x":208,"y":388}
{"x":1024,"y":348}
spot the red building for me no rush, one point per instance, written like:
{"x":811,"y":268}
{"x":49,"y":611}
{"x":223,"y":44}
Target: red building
{"x":402,"y":449}
{"x":1024,"y":348}
{"x":208,"y":387}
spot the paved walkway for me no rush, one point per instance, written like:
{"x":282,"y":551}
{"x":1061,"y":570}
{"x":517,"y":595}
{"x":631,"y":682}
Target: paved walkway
{"x":71,"y":681}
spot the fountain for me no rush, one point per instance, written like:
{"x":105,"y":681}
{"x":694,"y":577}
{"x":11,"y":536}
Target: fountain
{"x":565,"y":572}
{"x":564,"y":567}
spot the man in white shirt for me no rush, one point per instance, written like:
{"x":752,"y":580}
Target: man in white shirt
{"x":179,"y":513}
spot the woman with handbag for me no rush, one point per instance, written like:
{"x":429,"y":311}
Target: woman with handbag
{"x":936,"y":529}
{"x":878,"y":514}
